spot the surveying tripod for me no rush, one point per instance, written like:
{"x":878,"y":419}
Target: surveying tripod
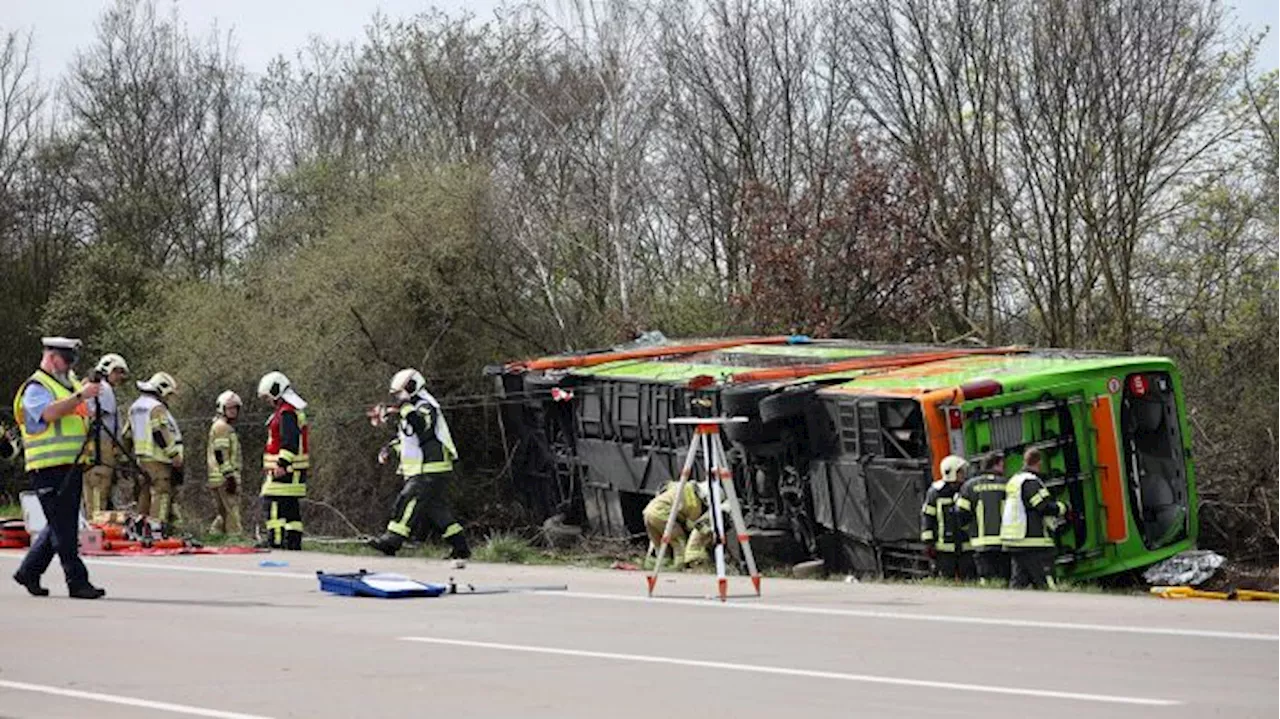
{"x":715,"y":468}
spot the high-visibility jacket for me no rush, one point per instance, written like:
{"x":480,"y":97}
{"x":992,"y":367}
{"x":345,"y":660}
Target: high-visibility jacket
{"x":156,"y":437}
{"x":938,"y":524}
{"x":223,"y":454}
{"x":60,"y":442}
{"x":691,"y":507}
{"x":288,"y":447}
{"x":1027,"y":503}
{"x":979,"y":506}
{"x":423,"y":447}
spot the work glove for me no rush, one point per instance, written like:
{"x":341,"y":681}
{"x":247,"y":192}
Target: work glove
{"x":179,"y":475}
{"x":229,"y":483}
{"x":931,"y":552}
{"x":384,"y":455}
{"x":1071,"y":516}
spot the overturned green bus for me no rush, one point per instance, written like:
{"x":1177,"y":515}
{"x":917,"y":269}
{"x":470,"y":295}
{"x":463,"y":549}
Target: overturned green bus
{"x":844,"y":438}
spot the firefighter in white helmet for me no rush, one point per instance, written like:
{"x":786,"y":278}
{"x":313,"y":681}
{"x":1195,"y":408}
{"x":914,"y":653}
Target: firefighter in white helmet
{"x":427,"y":453}
{"x":286,"y":461}
{"x":104,"y":423}
{"x":941,"y":531}
{"x":157,"y":442}
{"x":225,"y":465}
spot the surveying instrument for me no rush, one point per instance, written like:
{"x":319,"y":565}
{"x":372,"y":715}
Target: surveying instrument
{"x":715,"y":469}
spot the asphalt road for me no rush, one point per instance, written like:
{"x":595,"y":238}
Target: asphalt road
{"x":223,"y":637}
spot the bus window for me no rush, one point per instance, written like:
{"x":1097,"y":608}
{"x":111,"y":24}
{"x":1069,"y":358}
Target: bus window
{"x":1154,"y":461}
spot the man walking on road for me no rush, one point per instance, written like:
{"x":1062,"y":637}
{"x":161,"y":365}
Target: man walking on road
{"x":54,"y":422}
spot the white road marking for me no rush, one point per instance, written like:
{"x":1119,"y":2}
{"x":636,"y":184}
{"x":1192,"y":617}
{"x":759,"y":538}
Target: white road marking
{"x":126,"y":701}
{"x":805,"y":673}
{"x":753,"y":605}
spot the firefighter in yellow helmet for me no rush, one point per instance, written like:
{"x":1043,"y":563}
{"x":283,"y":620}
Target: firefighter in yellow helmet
{"x":225,"y":465}
{"x":427,"y":453}
{"x":104,"y":417}
{"x":157,"y":442}
{"x":692,"y":534}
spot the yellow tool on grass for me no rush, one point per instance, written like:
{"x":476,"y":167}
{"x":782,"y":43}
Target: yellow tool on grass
{"x":1242,"y":595}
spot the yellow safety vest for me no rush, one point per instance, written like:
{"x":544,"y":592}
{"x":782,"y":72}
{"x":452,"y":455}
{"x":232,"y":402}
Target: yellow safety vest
{"x":1013,"y":522}
{"x":59,"y":443}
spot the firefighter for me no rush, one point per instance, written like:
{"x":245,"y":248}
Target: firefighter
{"x":286,"y":461}
{"x":978,"y":509}
{"x":157,"y":443}
{"x":940,"y":530}
{"x":225,"y":465}
{"x":1024,"y":525}
{"x":104,"y":416}
{"x":54,"y":426}
{"x":427,"y":453}
{"x":692,"y":522}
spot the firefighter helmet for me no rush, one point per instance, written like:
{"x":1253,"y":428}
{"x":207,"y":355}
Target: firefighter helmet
{"x":161,"y":383}
{"x":951,"y":467}
{"x":109,"y":362}
{"x":273,"y":385}
{"x":407,"y":382}
{"x":227,"y":399}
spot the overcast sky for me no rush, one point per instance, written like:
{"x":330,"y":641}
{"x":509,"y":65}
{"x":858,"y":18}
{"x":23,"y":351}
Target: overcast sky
{"x":267,"y":28}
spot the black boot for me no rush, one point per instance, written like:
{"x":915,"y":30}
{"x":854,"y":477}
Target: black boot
{"x":459,"y":550}
{"x":32,"y":585}
{"x":86,"y":591}
{"x":388,"y":543}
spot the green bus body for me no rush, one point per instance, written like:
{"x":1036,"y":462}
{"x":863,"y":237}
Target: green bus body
{"x":836,"y":463}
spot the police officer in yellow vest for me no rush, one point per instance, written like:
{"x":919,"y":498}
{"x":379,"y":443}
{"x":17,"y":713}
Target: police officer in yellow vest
{"x":225,"y":465}
{"x":693,"y":522}
{"x":54,"y":425}
{"x":978,"y":509}
{"x":1024,"y":531}
{"x":940,"y":530}
{"x":157,"y":442}
{"x":104,"y":413}
{"x":427,"y":452}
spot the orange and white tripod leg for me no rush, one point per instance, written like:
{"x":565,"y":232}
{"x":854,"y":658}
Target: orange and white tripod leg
{"x":725,"y":477}
{"x":675,"y":512}
{"x":712,"y":462}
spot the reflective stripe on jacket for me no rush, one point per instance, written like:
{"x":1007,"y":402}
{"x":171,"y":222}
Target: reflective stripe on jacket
{"x":60,"y":442}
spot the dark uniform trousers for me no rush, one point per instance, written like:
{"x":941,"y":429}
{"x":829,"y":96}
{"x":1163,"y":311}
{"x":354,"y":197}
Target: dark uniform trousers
{"x":284,"y":516}
{"x":424,"y":496}
{"x":992,"y":565}
{"x":1031,"y":567}
{"x":955,"y":565}
{"x":60,"y":490}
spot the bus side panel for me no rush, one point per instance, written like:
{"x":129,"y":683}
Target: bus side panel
{"x":1110,"y":480}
